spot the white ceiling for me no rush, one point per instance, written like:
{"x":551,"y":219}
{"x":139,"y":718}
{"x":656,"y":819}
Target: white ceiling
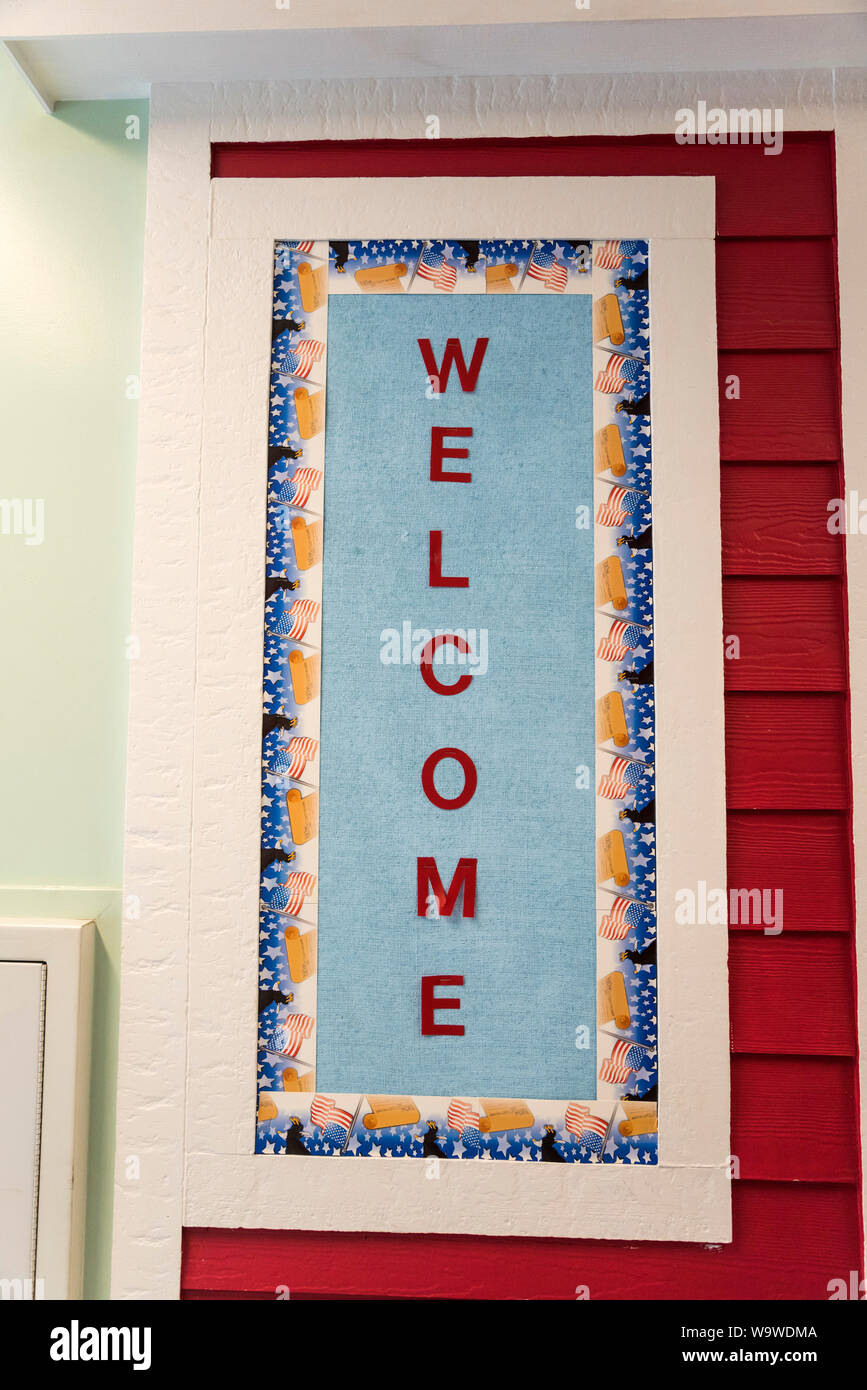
{"x":74,"y":66}
{"x":53,"y":18}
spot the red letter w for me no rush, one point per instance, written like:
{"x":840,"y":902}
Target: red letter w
{"x":453,"y":353}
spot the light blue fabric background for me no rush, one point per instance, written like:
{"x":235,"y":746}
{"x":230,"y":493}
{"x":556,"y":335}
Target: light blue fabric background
{"x":528,"y":955}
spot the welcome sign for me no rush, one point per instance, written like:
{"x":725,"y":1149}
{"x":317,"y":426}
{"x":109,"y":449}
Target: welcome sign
{"x":457,"y":928}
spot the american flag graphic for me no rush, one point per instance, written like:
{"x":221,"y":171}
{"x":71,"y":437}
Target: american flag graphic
{"x":622,"y":639}
{"x":576,"y":1116}
{"x":618,"y":373}
{"x":289,"y":895}
{"x":301,"y":358}
{"x":592,"y":1129}
{"x":305,"y":247}
{"x":625,"y":1058}
{"x":625,"y":914}
{"x":620,"y":781}
{"x":552,"y":273}
{"x":461,"y":1116}
{"x":616,"y":510}
{"x":610,"y":255}
{"x":301,"y":484}
{"x":303,"y":612}
{"x":301,"y":751}
{"x":434,"y":267}
{"x":323,"y":1112}
{"x":292,"y":621}
{"x":288,"y":1038}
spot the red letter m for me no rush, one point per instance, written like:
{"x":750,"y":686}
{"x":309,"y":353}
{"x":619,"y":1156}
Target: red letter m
{"x":453,"y":353}
{"x":428,"y":881}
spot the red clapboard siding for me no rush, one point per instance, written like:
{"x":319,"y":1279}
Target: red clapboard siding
{"x":786,"y":752}
{"x":775,"y":294}
{"x":802,"y":853}
{"x":775,"y":519}
{"x":786,"y":410}
{"x":241,"y":1296}
{"x":790,"y":634}
{"x":757,"y":195}
{"x":773,"y":1136}
{"x":789,"y":1241}
{"x":786,"y":756}
{"x":791,"y":994}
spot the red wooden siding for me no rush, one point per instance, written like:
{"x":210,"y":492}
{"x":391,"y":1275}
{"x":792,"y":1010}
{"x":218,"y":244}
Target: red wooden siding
{"x":785,"y":410}
{"x":774,"y":293}
{"x":787,"y":1237}
{"x":786,"y":751}
{"x":768,"y":1094}
{"x":807,"y":850}
{"x":796,"y":1202}
{"x":790,"y":632}
{"x":774,"y":519}
{"x":791,"y":995}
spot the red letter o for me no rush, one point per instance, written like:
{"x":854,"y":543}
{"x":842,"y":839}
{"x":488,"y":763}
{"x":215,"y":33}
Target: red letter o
{"x":471,"y":778}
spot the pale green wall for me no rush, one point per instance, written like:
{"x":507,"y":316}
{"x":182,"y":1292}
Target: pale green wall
{"x":72,"y":190}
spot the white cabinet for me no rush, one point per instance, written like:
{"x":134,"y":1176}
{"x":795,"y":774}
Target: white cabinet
{"x":45,"y":1023}
{"x":22,"y":1029}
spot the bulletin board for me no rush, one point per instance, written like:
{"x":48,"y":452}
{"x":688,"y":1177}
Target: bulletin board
{"x":332,"y":877}
{"x":457,"y":900}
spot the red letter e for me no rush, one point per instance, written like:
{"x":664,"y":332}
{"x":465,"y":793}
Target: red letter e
{"x":429,"y":1003}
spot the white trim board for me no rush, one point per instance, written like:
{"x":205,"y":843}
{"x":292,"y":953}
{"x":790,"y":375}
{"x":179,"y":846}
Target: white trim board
{"x":510,"y":107}
{"x":401,"y":1200}
{"x":184,"y":120}
{"x":851,"y":140}
{"x":240,"y":212}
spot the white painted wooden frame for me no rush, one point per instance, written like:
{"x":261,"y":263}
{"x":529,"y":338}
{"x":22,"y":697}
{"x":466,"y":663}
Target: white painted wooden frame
{"x":851,"y":142}
{"x":184,"y":122}
{"x":66,"y":949}
{"x":686,"y":1196}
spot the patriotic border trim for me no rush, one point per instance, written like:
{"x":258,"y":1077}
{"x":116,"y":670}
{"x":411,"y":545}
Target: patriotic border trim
{"x":620,"y":1123}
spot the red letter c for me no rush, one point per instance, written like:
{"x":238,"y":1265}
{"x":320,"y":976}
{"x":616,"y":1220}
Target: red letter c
{"x":427,"y":673}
